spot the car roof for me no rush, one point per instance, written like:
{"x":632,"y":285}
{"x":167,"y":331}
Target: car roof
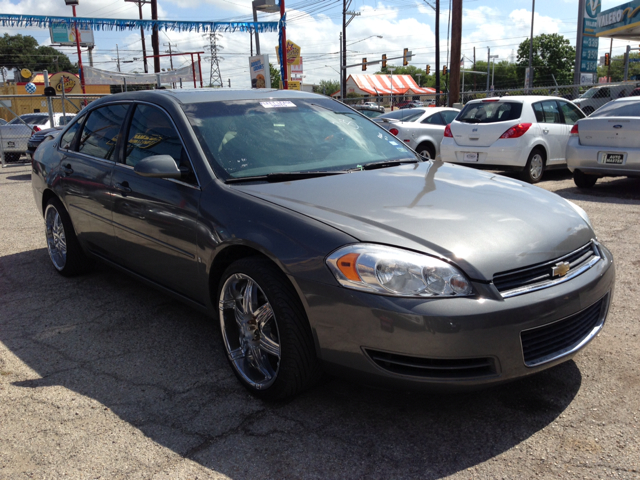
{"x":519,"y":98}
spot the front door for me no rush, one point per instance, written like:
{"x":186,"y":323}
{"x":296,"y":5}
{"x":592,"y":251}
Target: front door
{"x":155,"y":219}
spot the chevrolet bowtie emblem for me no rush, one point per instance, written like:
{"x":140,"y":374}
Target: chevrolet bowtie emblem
{"x":560,"y":269}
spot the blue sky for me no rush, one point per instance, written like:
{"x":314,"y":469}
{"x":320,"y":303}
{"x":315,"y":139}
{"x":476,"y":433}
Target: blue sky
{"x":315,"y":26}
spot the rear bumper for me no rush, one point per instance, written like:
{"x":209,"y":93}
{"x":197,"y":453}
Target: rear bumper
{"x":504,"y":152}
{"x":587,"y":159}
{"x":379,"y":340}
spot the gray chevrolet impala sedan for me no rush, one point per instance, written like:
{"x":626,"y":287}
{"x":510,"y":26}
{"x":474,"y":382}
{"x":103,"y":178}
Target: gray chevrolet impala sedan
{"x":320,"y":242}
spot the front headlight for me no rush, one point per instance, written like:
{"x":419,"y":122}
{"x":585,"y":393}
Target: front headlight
{"x":581,"y":212}
{"x":393,"y":271}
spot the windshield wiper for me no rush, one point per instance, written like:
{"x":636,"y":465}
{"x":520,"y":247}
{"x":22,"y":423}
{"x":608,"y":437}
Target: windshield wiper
{"x":284,"y":176}
{"x":387,"y":163}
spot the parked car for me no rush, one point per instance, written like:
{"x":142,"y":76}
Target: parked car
{"x":606,"y":144}
{"x":369,"y":111}
{"x":319,"y":241}
{"x":410,"y":104}
{"x":422,"y":130}
{"x":16,"y":134}
{"x":524,"y":133}
{"x":373,"y":105}
{"x":596,"y":97}
{"x":38,"y":137}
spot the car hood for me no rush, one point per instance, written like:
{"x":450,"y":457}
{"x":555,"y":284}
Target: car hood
{"x":484,"y":222}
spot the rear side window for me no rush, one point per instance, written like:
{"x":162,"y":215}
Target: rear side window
{"x":30,"y":119}
{"x":101,"y":130}
{"x":490,"y":112}
{"x":435,"y":119}
{"x":449,"y":116}
{"x":571,"y":113}
{"x":622,"y":109}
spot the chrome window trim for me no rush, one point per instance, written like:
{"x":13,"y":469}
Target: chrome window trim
{"x":569,"y":350}
{"x":551,"y":283}
{"x":142,"y":102}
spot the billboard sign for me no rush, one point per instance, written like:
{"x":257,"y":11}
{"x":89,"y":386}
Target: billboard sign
{"x":259,"y":70}
{"x":63,"y":34}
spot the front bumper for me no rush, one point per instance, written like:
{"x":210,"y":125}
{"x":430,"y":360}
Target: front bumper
{"x":588,"y":159}
{"x":503,"y":153}
{"x":357,"y":332}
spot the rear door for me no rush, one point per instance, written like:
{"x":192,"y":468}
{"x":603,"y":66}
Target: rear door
{"x":553,"y":129}
{"x":156,"y":219}
{"x":85,"y":177}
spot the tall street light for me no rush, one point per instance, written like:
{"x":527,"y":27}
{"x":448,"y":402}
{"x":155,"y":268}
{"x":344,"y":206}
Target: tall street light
{"x":533,"y":9}
{"x":73,"y":4}
{"x":493,"y":69}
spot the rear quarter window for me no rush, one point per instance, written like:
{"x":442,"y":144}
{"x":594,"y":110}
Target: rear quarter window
{"x":490,"y":112}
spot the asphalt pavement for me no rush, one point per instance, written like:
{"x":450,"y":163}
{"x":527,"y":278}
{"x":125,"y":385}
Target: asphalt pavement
{"x":102,"y":377}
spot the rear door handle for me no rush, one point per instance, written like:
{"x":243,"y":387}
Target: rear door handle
{"x":123,"y":187}
{"x":67,"y":169}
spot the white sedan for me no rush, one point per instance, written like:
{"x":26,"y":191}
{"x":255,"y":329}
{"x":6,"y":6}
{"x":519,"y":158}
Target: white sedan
{"x":421,"y":128}
{"x":524,"y":133}
{"x":606,"y":144}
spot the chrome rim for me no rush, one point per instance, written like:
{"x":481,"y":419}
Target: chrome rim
{"x":56,"y":239}
{"x":536,"y":166}
{"x":425,"y":154}
{"x":249,"y":330}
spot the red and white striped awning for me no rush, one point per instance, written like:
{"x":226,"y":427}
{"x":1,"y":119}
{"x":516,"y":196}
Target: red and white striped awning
{"x":383,"y":84}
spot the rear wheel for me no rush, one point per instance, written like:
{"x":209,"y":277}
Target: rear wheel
{"x":265,"y":331}
{"x":427,"y":151}
{"x":534,"y":168}
{"x":62,"y":244}
{"x":583,"y":180}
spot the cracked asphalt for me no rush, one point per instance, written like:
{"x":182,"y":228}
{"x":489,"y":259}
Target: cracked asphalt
{"x":102,"y":377}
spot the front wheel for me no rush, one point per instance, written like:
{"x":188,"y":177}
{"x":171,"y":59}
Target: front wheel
{"x":265,"y":331}
{"x":583,"y":180}
{"x":534,"y":168}
{"x":62,"y":244}
{"x":426,"y":151}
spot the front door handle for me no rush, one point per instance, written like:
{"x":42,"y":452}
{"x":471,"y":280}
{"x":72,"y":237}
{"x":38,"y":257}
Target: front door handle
{"x":67,"y":169}
{"x":123,"y":187}
{"x":545,"y":131}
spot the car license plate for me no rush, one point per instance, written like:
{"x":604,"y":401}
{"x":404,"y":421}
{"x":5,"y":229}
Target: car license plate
{"x":616,"y":158}
{"x":11,"y":144}
{"x":470,"y":157}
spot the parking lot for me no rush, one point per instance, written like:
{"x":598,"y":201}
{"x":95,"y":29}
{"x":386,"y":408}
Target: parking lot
{"x":103,"y":377}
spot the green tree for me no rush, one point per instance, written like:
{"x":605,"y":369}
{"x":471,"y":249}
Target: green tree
{"x":274,"y":73}
{"x":617,"y":68}
{"x":553,"y":56}
{"x":18,"y":51}
{"x":327,"y":87}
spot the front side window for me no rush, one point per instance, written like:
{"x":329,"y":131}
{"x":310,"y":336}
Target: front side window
{"x":490,"y":112}
{"x":67,"y":138}
{"x":246,"y":138}
{"x":571,"y":113}
{"x":101,"y":131}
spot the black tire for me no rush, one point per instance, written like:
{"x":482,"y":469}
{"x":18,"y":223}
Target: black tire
{"x":250,"y":336}
{"x":65,"y":251}
{"x":427,"y":151}
{"x":583,"y":180}
{"x":534,"y":169}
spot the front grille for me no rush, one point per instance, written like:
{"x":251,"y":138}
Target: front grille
{"x":548,"y":342}
{"x":523,"y":280}
{"x":454,"y":369}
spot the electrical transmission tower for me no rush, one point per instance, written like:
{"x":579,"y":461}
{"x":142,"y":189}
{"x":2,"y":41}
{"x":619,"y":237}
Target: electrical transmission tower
{"x":215,"y":78}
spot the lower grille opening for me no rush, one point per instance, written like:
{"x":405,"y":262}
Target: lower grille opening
{"x":433,"y":367}
{"x":548,"y":342}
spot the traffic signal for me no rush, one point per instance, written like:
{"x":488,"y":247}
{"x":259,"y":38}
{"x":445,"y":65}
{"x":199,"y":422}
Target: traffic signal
{"x":405,"y":60}
{"x":607,"y":60}
{"x":384,"y":60}
{"x":428,"y":69}
{"x":444,"y":70}
{"x":364,"y":64}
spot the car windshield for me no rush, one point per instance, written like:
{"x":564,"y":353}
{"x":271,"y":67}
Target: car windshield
{"x":30,"y":119}
{"x":247,"y":138}
{"x":490,"y":112}
{"x":618,"y":109}
{"x":406,"y":115}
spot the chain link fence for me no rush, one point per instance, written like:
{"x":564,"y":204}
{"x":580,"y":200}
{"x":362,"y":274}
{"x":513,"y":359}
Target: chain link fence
{"x":23,"y":117}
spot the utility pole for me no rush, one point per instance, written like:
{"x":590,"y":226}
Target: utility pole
{"x":215,"y":77}
{"x":456,"y":41}
{"x":474,"y":68}
{"x":144,"y":48}
{"x":169,"y":52}
{"x":437,"y":53}
{"x":345,"y":23}
{"x":117,"y":59}
{"x":533,"y":9}
{"x":488,"y":65}
{"x":154,"y":37}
